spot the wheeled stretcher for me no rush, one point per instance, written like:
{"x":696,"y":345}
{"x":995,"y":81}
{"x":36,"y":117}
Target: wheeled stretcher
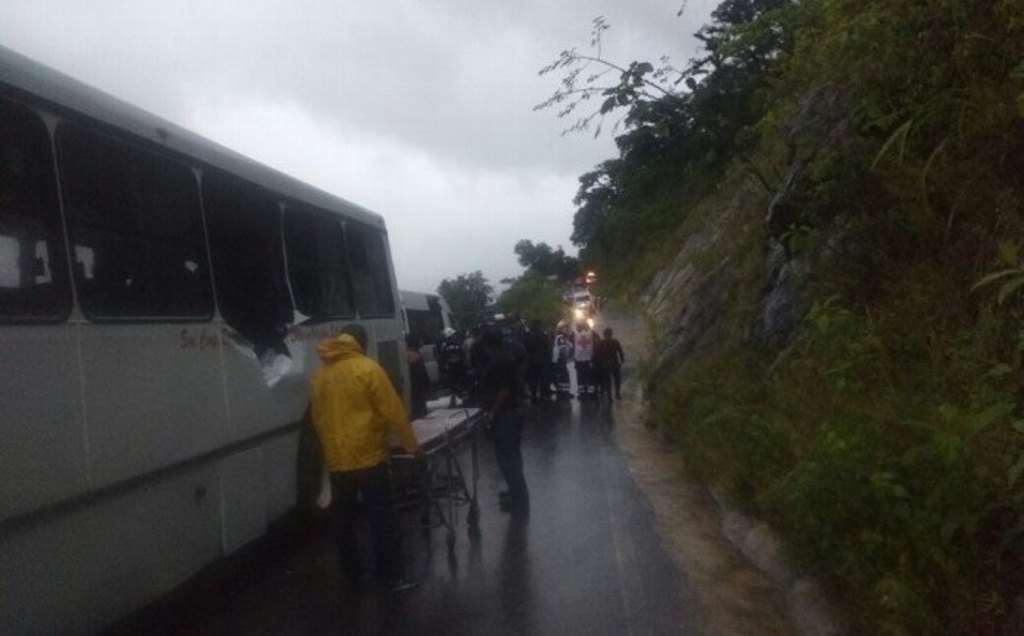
{"x":560,"y":378}
{"x":436,"y":478}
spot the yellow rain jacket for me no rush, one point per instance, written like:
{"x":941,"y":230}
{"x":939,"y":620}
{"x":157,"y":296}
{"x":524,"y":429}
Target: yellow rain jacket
{"x":355,"y":407}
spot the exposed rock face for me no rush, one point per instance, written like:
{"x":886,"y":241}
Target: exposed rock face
{"x":690,"y":301}
{"x":675,"y":282}
{"x":687,"y":299}
{"x":783,"y":298}
{"x":821,"y":122}
{"x":697,"y":319}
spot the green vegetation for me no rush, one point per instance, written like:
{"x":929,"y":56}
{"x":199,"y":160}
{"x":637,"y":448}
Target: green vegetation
{"x":536,"y":295}
{"x":533,"y":298}
{"x":467,"y":296}
{"x":885,"y":141}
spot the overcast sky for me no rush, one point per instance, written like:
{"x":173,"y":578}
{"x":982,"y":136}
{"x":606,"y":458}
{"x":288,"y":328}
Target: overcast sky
{"x":420,"y":111}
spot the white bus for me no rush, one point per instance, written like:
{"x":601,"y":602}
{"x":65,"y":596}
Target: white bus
{"x":427,"y":317}
{"x":161,"y":299}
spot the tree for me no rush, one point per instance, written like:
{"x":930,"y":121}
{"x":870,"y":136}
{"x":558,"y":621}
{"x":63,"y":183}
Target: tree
{"x":743,"y":42}
{"x":687,"y":125}
{"x":534,"y":298}
{"x":541,"y":260}
{"x":598,"y":190}
{"x":637,"y":83}
{"x":467,"y":295}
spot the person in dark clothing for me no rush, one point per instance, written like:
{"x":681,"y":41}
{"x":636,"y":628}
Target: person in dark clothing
{"x":418,"y":377}
{"x":500,"y":400}
{"x":355,"y":409}
{"x":514,"y":340}
{"x":538,"y":351}
{"x":608,"y":359}
{"x":477,"y":364}
{"x":453,"y":361}
{"x":561,"y":353}
{"x":601,"y":369}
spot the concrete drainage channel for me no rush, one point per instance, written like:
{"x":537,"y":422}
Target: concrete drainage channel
{"x":810,"y":610}
{"x":735,"y":567}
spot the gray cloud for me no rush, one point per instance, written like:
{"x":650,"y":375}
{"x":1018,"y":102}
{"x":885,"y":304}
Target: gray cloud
{"x":421,"y":111}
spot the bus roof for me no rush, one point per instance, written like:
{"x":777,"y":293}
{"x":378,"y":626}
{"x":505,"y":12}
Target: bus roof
{"x":64,"y":93}
{"x":419,"y":300}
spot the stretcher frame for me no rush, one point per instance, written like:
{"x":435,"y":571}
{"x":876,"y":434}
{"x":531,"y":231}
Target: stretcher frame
{"x":437,"y":473}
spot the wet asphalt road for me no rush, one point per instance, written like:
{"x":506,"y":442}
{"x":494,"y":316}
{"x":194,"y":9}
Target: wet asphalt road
{"x":583,"y":560}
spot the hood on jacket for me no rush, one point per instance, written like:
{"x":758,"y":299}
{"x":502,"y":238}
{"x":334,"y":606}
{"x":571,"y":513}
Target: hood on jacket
{"x":343,"y":346}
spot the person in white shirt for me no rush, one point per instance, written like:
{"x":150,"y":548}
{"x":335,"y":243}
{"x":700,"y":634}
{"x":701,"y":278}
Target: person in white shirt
{"x":583,"y":353}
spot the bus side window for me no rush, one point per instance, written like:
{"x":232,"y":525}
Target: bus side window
{"x":317,"y":264}
{"x":371,"y":281}
{"x":33,"y":276}
{"x":137,"y":214}
{"x":244,"y":223}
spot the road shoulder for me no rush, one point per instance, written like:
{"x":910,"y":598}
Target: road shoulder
{"x":731,"y":595}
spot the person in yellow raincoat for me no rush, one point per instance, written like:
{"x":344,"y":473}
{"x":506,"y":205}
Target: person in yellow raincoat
{"x":355,"y":408}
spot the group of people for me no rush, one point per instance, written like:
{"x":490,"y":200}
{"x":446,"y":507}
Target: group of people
{"x":356,"y":411}
{"x":542,"y":357}
{"x":598,"y":361}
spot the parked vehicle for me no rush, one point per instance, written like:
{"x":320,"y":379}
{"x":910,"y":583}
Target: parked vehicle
{"x":161,"y":300}
{"x":430,"y":319}
{"x":581,"y":307}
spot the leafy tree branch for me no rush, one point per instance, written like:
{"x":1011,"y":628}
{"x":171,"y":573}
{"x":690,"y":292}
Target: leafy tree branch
{"x":636,"y":83}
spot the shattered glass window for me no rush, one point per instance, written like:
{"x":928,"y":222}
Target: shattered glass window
{"x":317,"y":263}
{"x":244,"y":222}
{"x":136,"y":230}
{"x":371,"y":278}
{"x":33,"y":274}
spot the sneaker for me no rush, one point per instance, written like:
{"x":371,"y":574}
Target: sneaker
{"x":404,"y":584}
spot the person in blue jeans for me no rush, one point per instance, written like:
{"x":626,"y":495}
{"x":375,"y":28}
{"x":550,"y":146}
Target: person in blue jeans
{"x":501,"y":391}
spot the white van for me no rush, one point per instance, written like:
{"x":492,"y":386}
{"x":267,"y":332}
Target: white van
{"x":581,"y":307}
{"x":582,"y":299}
{"x":428,"y":317}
